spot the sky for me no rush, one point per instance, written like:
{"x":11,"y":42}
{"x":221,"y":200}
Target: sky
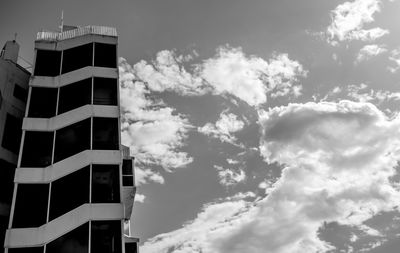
{"x":258,"y":125}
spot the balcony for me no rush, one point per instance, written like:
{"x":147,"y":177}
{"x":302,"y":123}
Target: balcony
{"x":77,"y":32}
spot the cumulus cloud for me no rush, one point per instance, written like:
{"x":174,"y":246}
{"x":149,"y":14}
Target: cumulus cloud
{"x":152,"y":130}
{"x":349,"y":18}
{"x":251,"y":78}
{"x":223,"y":128}
{"x":230,"y":71}
{"x":139,"y":198}
{"x":338,"y":161}
{"x":369,"y":51}
{"x":144,"y":176}
{"x":228,"y":177}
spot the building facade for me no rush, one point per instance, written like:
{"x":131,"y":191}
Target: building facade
{"x":13,"y":95}
{"x":74,"y":183}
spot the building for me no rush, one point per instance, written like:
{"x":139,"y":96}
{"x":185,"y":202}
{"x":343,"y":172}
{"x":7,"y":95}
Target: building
{"x":74,"y":183}
{"x":13,"y":95}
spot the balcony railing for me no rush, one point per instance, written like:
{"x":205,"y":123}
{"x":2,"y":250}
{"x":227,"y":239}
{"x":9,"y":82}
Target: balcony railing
{"x":79,"y":31}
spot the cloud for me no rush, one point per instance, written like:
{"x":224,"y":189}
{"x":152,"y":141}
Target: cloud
{"x":338,"y":161}
{"x":230,"y":71}
{"x":223,"y":128}
{"x":251,"y":78}
{"x":139,"y":198}
{"x":144,"y":176}
{"x":369,"y":51}
{"x":349,"y":18}
{"x":167,"y":73}
{"x":228,"y":177}
{"x":153,"y":130}
{"x":395,"y":58}
{"x":359,"y":93}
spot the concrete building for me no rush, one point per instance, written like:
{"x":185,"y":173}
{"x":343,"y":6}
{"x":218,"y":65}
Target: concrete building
{"x":74,"y":183}
{"x":13,"y":95}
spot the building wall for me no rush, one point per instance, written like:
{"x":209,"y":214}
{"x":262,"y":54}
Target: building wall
{"x":70,"y":166}
{"x":13,"y":87}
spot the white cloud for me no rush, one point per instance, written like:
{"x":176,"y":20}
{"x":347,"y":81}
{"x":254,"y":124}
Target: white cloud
{"x":359,"y":93}
{"x":338,"y":159}
{"x":349,"y":18}
{"x":228,"y":177}
{"x":231,"y":161}
{"x":369,"y":51}
{"x":151,"y":129}
{"x":223,"y":128}
{"x":230,"y":71}
{"x":144,"y":176}
{"x":166,"y":73}
{"x":250,"y":78}
{"x":139,"y":198}
{"x":395,"y":58}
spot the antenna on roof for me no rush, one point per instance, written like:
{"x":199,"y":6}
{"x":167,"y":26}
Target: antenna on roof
{"x":62,"y":21}
{"x":15,"y":36}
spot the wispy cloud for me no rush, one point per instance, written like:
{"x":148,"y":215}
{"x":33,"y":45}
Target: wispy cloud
{"x":395,"y":58}
{"x":349,"y":19}
{"x":338,"y":159}
{"x":369,"y":51}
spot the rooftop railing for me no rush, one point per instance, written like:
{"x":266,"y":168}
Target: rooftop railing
{"x":79,"y":31}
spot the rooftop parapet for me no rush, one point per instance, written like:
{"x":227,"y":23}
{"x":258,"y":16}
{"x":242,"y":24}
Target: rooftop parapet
{"x":78,"y":31}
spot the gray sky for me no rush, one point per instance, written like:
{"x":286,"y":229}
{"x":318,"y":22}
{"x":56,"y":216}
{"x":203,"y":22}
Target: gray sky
{"x":258,"y":126}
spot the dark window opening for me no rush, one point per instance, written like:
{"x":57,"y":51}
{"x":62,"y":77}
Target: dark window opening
{"x":106,"y":237}
{"x":7,"y":172}
{"x":105,"y":55}
{"x":105,"y":91}
{"x":127,"y":172}
{"x":26,"y":250}
{"x":47,"y":63}
{"x":20,"y":93}
{"x":77,"y":57}
{"x":131,"y":247}
{"x":69,"y":192}
{"x":105,"y":133}
{"x":76,"y":241}
{"x":43,"y":102}
{"x":105,"y":184}
{"x":72,"y":139}
{"x":37,"y":149}
{"x":75,"y":95}
{"x":30,"y":205}
{"x":12,"y":134}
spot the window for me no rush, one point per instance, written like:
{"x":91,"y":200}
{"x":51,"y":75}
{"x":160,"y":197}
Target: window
{"x":105,"y":55}
{"x":131,"y":247}
{"x":105,"y":184}
{"x":77,"y":57}
{"x":105,"y":133}
{"x":7,"y":172}
{"x":37,"y":149}
{"x":30,"y":205}
{"x":127,"y":172}
{"x":106,"y":237}
{"x":75,"y":95}
{"x":47,"y":63}
{"x":26,"y":250}
{"x":12,"y":134}
{"x":43,"y":102}
{"x":105,"y":91}
{"x":76,"y":241}
{"x":20,"y":93}
{"x":69,"y":192}
{"x":72,"y":139}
